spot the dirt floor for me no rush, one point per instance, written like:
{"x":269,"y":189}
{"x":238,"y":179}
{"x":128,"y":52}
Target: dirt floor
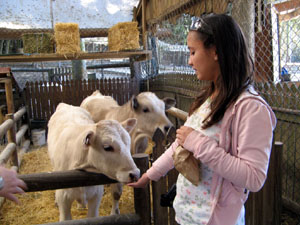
{"x":39,"y":207}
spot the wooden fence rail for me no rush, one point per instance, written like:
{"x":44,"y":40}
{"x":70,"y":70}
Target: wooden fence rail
{"x":124,"y":219}
{"x":78,"y":178}
{"x":15,"y":139}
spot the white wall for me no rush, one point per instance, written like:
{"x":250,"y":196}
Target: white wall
{"x":45,"y":13}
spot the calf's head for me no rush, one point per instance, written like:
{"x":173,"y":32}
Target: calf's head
{"x":108,"y":150}
{"x":150,"y":112}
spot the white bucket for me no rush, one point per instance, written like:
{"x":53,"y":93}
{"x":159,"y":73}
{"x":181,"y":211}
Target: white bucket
{"x":38,"y":137}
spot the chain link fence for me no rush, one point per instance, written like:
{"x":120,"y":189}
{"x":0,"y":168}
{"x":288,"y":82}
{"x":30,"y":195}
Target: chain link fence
{"x":272,"y":29}
{"x":273,"y":32}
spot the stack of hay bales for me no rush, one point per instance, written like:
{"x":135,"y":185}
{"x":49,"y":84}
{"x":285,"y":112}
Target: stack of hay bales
{"x":67,"y":38}
{"x":38,"y":43}
{"x":123,"y":36}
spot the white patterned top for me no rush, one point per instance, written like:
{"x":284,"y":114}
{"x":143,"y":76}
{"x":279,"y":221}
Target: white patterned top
{"x":192,"y":203}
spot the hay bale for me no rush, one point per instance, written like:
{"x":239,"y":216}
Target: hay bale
{"x":123,"y":36}
{"x":67,"y":38}
{"x":38,"y":43}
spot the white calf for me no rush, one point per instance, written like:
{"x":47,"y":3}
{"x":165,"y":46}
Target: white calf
{"x":149,"y":111}
{"x":75,"y":141}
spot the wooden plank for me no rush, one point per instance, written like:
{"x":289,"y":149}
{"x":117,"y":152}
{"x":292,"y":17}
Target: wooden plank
{"x":72,"y":92}
{"x":85,"y":90}
{"x":126,"y":90}
{"x":90,"y":89}
{"x":51,"y":99}
{"x":44,"y":93}
{"x":38,"y":100}
{"x":33,"y":102}
{"x":5,"y":70}
{"x":63,"y":179}
{"x":138,"y":56}
{"x":287,"y":5}
{"x":101,"y":89}
{"x":78,"y":91}
{"x":121,"y":91}
{"x":28,"y":99}
{"x":58,"y":97}
{"x":289,"y":16}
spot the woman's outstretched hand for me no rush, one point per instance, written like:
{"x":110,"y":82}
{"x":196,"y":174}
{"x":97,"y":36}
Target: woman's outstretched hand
{"x":141,"y":183}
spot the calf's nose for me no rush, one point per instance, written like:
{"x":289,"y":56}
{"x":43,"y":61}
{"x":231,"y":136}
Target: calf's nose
{"x":166,"y":128}
{"x":134,"y":176}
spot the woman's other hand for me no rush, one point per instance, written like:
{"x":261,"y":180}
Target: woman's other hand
{"x":182,"y":133}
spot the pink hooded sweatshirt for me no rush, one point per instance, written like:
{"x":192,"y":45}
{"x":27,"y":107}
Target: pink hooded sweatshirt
{"x":240,"y":160}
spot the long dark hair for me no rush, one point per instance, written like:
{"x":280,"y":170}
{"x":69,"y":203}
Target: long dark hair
{"x":236,"y":64}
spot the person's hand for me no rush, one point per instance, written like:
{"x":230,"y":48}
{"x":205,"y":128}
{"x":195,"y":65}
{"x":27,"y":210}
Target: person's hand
{"x":141,"y":183}
{"x":182,"y":133}
{"x":12,"y":184}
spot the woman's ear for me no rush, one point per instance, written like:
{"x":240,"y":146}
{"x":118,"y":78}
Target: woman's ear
{"x":215,"y":54}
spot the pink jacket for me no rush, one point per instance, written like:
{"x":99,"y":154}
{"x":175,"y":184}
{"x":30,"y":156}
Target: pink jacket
{"x":240,"y":160}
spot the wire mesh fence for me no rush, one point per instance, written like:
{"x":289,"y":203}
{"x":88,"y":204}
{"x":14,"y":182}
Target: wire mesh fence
{"x":272,"y":29}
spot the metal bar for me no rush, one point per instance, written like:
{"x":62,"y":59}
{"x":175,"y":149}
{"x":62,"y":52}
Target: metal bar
{"x":110,"y":65}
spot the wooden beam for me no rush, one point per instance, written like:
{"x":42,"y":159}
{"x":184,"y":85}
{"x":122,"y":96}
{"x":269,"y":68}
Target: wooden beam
{"x":144,"y":24}
{"x":173,"y":11}
{"x":287,"y":5}
{"x":6,"y":33}
{"x":138,"y":55}
{"x":289,"y":16}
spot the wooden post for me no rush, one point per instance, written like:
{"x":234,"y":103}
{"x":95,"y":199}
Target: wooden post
{"x":11,"y":137}
{"x":9,"y":96}
{"x":264,"y":207}
{"x":172,"y":175}
{"x":142,"y":195}
{"x":160,"y":187}
{"x":144,"y":25}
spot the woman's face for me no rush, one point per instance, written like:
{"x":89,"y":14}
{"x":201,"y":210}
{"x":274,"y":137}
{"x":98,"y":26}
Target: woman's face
{"x":203,"y":60}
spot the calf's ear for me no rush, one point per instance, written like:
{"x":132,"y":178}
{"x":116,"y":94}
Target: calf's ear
{"x":129,"y":124}
{"x":134,"y":103}
{"x":169,"y":102}
{"x":88,"y":138}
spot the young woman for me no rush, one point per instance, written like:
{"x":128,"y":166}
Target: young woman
{"x":229,"y":129}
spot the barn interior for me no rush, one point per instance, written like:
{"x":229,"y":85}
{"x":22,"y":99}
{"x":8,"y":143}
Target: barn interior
{"x":62,"y":51}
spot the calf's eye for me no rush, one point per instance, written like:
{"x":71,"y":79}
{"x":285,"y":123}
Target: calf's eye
{"x":108,"y":148}
{"x":145,"y":110}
